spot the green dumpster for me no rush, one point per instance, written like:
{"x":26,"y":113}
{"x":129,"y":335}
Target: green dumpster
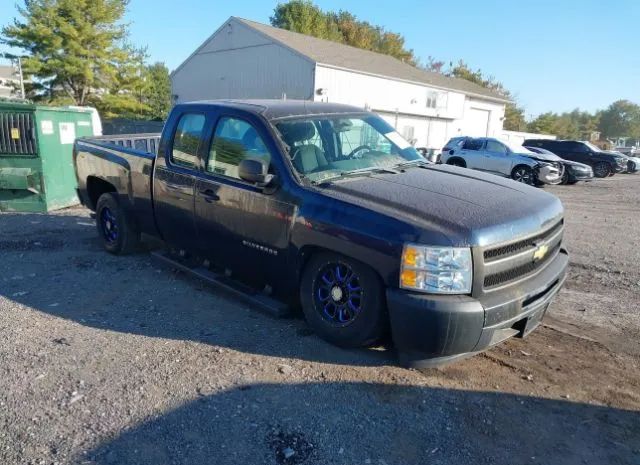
{"x":36,"y":164}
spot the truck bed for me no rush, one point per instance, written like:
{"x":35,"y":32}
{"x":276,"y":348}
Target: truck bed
{"x":124,"y":161}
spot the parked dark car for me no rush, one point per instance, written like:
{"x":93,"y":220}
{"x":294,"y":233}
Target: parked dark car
{"x":573,"y":171}
{"x":603,"y":164}
{"x":327,"y":206}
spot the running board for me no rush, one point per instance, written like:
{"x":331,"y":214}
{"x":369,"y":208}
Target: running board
{"x":249,"y":295}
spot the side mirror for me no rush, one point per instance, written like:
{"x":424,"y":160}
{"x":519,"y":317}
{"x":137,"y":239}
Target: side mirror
{"x":255,"y":170}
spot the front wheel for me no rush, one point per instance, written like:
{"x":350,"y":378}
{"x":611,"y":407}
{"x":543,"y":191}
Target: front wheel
{"x":523,"y":174}
{"x":118,"y":234}
{"x":602,"y":170}
{"x":343,"y":300}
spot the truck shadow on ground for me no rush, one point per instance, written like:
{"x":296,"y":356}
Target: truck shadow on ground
{"x":338,"y":423}
{"x":57,"y":265}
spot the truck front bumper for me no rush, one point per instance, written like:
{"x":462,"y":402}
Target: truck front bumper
{"x":431,"y":330}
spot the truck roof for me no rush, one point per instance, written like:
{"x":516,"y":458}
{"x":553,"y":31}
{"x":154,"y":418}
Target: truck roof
{"x":276,"y":109}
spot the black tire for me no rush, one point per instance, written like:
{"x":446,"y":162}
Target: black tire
{"x":571,"y":183}
{"x":565,"y":177}
{"x":118,"y":234}
{"x":523,"y":174}
{"x":457,"y":162}
{"x":602,"y":169}
{"x":366,"y":325}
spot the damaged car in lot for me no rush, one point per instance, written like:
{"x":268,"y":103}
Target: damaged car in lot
{"x":327,"y":207}
{"x":573,"y":171}
{"x":604,"y":164}
{"x":498,"y":157}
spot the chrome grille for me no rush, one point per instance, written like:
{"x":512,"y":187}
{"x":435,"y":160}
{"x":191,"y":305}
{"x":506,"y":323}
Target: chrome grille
{"x":518,"y":272}
{"x":506,"y":264}
{"x":514,"y":248}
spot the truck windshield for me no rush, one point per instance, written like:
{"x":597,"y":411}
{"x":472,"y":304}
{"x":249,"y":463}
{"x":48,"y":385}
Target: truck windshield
{"x":331,"y":146}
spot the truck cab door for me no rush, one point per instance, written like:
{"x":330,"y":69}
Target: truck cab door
{"x":174,"y":180}
{"x":242,"y":226}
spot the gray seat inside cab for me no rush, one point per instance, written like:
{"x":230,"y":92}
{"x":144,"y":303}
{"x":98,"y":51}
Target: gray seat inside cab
{"x":305,"y":156}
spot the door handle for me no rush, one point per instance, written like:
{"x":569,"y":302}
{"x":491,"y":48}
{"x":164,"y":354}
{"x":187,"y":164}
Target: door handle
{"x":209,"y":195}
{"x":173,"y":187}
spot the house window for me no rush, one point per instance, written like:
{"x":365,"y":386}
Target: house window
{"x":408,"y":132}
{"x":432,"y":99}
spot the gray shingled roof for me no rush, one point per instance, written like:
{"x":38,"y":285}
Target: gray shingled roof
{"x":344,"y":56}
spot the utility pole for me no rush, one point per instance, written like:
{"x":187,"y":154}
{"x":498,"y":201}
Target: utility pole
{"x":21,"y":78}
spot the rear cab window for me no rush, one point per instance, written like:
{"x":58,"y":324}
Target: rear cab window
{"x":187,"y":139}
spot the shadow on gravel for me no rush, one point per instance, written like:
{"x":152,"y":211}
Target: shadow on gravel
{"x":56,"y":264}
{"x":349,"y":423}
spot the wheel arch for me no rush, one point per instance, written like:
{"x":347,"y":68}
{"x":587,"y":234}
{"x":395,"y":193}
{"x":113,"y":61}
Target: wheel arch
{"x":95,"y":188}
{"x":456,"y":158}
{"x":306,"y":252}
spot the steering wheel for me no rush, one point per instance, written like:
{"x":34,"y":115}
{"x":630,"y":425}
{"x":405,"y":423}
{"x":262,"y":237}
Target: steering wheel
{"x":358,"y":149}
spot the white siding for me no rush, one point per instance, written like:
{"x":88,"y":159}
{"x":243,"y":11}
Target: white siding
{"x":404,"y":105}
{"x":517,"y":137}
{"x":238,"y":62}
{"x":385,"y":95}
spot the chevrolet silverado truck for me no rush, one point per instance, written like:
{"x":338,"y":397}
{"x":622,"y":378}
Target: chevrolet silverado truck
{"x":326,"y":207}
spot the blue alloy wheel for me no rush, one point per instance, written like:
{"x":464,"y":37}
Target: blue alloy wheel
{"x":337,"y":294}
{"x":109,"y":225}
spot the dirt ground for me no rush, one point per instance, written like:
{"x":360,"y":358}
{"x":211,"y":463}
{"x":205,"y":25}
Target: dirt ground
{"x":114,"y":360}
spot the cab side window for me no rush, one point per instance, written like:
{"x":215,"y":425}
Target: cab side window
{"x":186,"y":140}
{"x":233,"y":141}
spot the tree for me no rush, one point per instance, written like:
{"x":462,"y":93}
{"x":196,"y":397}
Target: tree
{"x":621,"y":119}
{"x":74,"y":47}
{"x":158,"y":92}
{"x":569,"y":125}
{"x":306,"y":18}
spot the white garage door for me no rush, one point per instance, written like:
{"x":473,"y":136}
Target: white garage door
{"x":477,"y":123}
{"x":436,"y":133}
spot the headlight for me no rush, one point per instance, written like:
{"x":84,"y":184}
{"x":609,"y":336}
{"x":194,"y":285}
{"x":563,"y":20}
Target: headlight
{"x":437,"y":270}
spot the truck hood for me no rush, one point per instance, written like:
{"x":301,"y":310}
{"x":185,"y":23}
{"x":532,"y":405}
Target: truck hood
{"x":453,"y":206}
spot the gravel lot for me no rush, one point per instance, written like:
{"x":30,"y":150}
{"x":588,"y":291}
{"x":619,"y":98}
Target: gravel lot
{"x":109,"y":360}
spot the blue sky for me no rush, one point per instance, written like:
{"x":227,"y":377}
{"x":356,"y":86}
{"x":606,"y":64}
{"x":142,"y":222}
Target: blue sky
{"x":553,"y":55}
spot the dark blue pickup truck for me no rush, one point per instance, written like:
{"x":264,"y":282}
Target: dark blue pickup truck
{"x":326,"y":206}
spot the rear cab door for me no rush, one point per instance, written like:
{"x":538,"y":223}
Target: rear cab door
{"x":240,"y":225}
{"x":175,"y":174}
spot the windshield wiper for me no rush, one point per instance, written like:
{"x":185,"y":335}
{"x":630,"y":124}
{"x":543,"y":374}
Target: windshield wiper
{"x":360,"y":172}
{"x":409,"y":163}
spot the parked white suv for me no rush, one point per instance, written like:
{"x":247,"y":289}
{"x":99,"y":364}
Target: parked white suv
{"x":498,"y":157}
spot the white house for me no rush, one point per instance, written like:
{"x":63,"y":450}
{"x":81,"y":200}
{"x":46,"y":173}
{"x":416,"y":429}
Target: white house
{"x":248,"y":60}
{"x":9,"y":80}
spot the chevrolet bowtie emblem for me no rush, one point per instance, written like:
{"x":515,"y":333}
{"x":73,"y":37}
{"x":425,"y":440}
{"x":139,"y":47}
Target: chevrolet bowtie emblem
{"x":540,"y":252}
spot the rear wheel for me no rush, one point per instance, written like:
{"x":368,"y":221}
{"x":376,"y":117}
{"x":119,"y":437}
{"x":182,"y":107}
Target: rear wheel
{"x":343,"y":300}
{"x":602,"y":169}
{"x":523,"y":174}
{"x":118,"y":234}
